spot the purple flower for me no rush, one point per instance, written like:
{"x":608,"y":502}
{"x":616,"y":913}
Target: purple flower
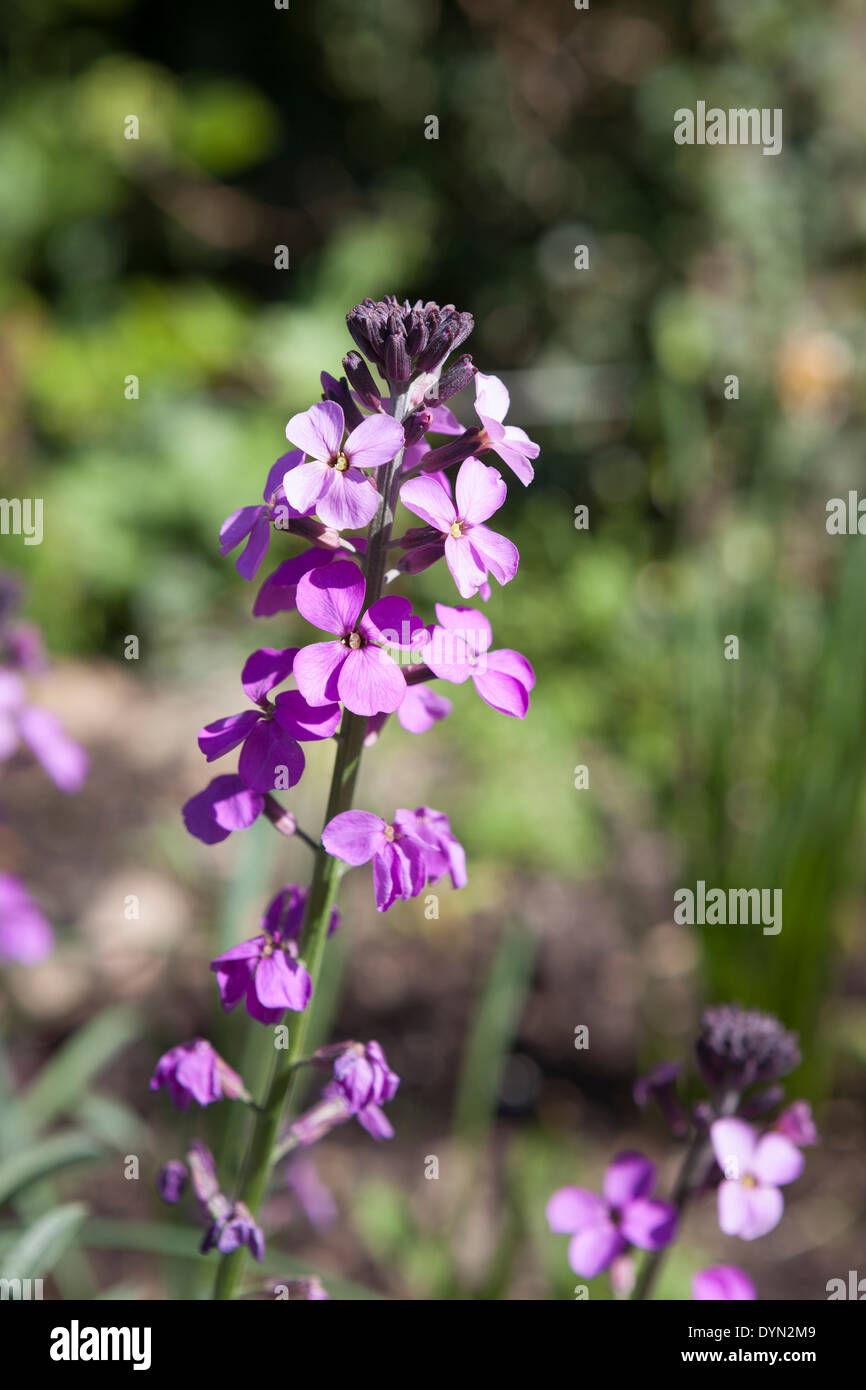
{"x":270,"y":756}
{"x":362,"y":1076}
{"x":443,"y":853}
{"x":723,"y":1283}
{"x":459,"y":649}
{"x":421,"y":708}
{"x":355,"y":669}
{"x":331,"y":483}
{"x":513,"y":445}
{"x":796,"y":1123}
{"x":26,"y":936}
{"x":739,"y":1047}
{"x":61,"y":757}
{"x":194,"y":1071}
{"x":471,"y":548}
{"x":265,"y":971}
{"x":602,"y":1228}
{"x":226,"y":804}
{"x":233,"y":1228}
{"x":171,"y":1181}
{"x":253,"y":524}
{"x":750,"y":1203}
{"x":397,"y":851}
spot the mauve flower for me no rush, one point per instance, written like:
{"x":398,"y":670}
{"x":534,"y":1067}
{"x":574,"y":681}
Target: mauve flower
{"x":233,"y":1228}
{"x":443,"y":853}
{"x":253,"y":524}
{"x":355,"y":669}
{"x":362,"y":1076}
{"x":265,"y":971}
{"x":602,"y":1228}
{"x":796,"y":1123}
{"x":194,"y":1071}
{"x":333,"y":1109}
{"x":226,"y":804}
{"x":459,"y":649}
{"x":61,"y":757}
{"x":513,"y":445}
{"x":270,"y":733}
{"x":471,"y":548}
{"x":750,"y":1203}
{"x":331,"y":482}
{"x":421,"y":707}
{"x":171,"y":1181}
{"x":26,"y":936}
{"x":397,"y":851}
{"x":315,"y":1199}
{"x":723,"y":1283}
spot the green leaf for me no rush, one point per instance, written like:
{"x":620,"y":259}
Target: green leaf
{"x":40,"y":1247}
{"x":63,"y":1081}
{"x":42,"y":1159}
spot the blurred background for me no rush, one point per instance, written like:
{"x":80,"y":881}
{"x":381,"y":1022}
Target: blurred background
{"x":155,"y":258}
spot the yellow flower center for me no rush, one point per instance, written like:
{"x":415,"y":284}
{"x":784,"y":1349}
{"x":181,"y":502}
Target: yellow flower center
{"x":341,"y":463}
{"x":456,"y":529}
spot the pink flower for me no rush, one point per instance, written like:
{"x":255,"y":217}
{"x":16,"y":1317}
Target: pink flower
{"x":355,"y":669}
{"x":61,"y":757}
{"x":603,"y":1227}
{"x":796,"y":1123}
{"x":269,"y":734}
{"x":226,"y":804}
{"x":750,"y":1203}
{"x":26,"y":936}
{"x":397,"y":852}
{"x":459,"y":649}
{"x":194,"y":1071}
{"x":723,"y":1283}
{"x":331,"y":482}
{"x":471,"y":548}
{"x":513,"y":445}
{"x":421,"y":708}
{"x":253,"y":524}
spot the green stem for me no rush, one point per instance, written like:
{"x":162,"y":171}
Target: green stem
{"x":261,"y":1153}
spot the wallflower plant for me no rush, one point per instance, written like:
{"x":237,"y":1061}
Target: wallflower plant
{"x":366,"y":447}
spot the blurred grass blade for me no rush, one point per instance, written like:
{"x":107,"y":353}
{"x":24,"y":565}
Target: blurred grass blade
{"x":35,"y":1254}
{"x":42,"y":1159}
{"x":492,"y":1035}
{"x":65,"y":1078}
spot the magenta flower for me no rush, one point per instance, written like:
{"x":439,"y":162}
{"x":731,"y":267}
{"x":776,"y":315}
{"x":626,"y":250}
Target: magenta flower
{"x":171,"y":1181}
{"x":61,"y":757}
{"x":26,"y":936}
{"x":355,"y":669}
{"x":723,"y":1283}
{"x":270,"y":756}
{"x":226,"y":804}
{"x":755,"y":1167}
{"x":459,"y":649}
{"x":278,"y":592}
{"x":265,"y":971}
{"x":194,"y":1071}
{"x":362,"y":1075}
{"x":397,"y":851}
{"x":796,"y":1123}
{"x":602,"y":1228}
{"x":443,"y":854}
{"x":331,"y":482}
{"x":421,"y":708}
{"x":233,"y":1226}
{"x":471,"y":548}
{"x":513,"y":445}
{"x":253,"y":524}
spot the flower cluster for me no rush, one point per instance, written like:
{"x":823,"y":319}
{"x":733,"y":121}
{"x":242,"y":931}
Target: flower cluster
{"x":26,"y":936}
{"x":742,"y":1055}
{"x":366,"y":448}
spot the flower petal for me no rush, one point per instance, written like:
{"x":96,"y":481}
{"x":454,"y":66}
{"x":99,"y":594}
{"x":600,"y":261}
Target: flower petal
{"x":318,"y":431}
{"x":354,"y":836}
{"x":629,"y":1175}
{"x":278,"y":592}
{"x":420,"y":709}
{"x":480,"y":491}
{"x":371,"y":682}
{"x":466,"y":572}
{"x":573,"y":1209}
{"x":301,"y":720}
{"x":265,"y":668}
{"x":776,"y":1160}
{"x":648,"y":1224}
{"x":305,"y":484}
{"x":491,"y":397}
{"x":594,"y":1249}
{"x":348,"y":501}
{"x":270,"y":760}
{"x":391,"y":621}
{"x":377,"y":440}
{"x":734,"y":1144}
{"x":428,"y":499}
{"x":316,"y":670}
{"x":493,"y":552}
{"x":764,"y":1208}
{"x":332,"y":597}
{"x":63,"y":759}
{"x":225,"y":734}
{"x":722,"y":1283}
{"x":502,"y":693}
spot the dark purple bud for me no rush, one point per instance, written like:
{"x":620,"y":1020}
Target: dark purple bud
{"x":333,"y":390}
{"x":660,"y":1084}
{"x":452,"y":380}
{"x":171,"y":1181}
{"x":461,"y":447}
{"x":451,"y":330}
{"x":398,"y":366}
{"x":366,"y":323}
{"x":416,"y":332}
{"x":761,"y":1102}
{"x":361,"y":380}
{"x":739,"y":1047}
{"x":416,"y":426}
